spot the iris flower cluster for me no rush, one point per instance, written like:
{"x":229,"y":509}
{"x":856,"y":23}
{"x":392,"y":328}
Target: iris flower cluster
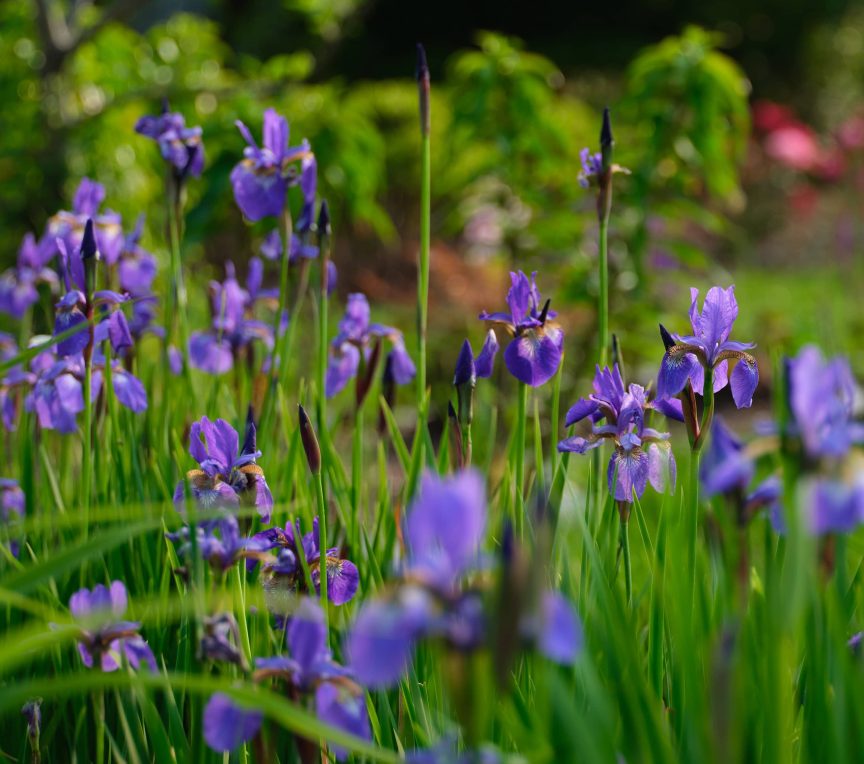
{"x":821,"y":396}
{"x":19,"y":286}
{"x":12,"y":503}
{"x":641,"y":454}
{"x":308,"y":674}
{"x":181,"y":147}
{"x":534,"y":354}
{"x":352,"y":347}
{"x":278,"y":551}
{"x":727,"y":469}
{"x":104,"y":639}
{"x":444,"y":530}
{"x":261,"y":180}
{"x":234,"y":327}
{"x":228,"y":476}
{"x":709,"y":351}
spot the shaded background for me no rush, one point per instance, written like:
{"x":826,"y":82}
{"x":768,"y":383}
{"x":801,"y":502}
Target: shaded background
{"x":742,"y":127}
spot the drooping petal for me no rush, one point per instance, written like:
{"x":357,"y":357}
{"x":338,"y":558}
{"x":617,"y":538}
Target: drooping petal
{"x":560,"y":637}
{"x":130,"y":391}
{"x":628,"y":472}
{"x":675,"y":370}
{"x":745,"y":377}
{"x":661,"y":467}
{"x":578,"y":445}
{"x":343,"y":578}
{"x":381,"y":642}
{"x":210,"y":354}
{"x":835,"y":507}
{"x":401,"y":365}
{"x":533,"y":358}
{"x":445,"y":525}
{"x":258,"y":193}
{"x":341,"y":368}
{"x":346,"y":710}
{"x":226,"y":725}
{"x":670,"y":408}
{"x":137,"y":651}
{"x":307,"y":635}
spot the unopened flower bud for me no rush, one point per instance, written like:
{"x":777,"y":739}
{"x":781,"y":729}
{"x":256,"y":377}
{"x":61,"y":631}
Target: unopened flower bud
{"x":310,"y":441}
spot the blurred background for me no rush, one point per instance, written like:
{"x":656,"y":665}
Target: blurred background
{"x":742,"y":125}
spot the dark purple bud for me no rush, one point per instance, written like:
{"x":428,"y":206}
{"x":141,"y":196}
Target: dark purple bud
{"x":221,"y":640}
{"x":324,"y":219}
{"x":89,"y":256}
{"x":465,"y":373}
{"x":668,"y":342}
{"x":89,"y":250}
{"x":250,"y":438}
{"x":166,"y":107}
{"x":606,"y":140}
{"x":423,"y":89}
{"x":310,"y":442}
{"x":388,"y":391}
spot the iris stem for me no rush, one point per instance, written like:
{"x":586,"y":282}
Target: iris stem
{"x":278,"y":353}
{"x":625,"y":548}
{"x":322,"y":545}
{"x":357,"y":470}
{"x":87,"y":461}
{"x":692,"y":522}
{"x":603,"y":305}
{"x":520,"y":453}
{"x":423,"y":265}
{"x":323,"y":306}
{"x":178,"y":286}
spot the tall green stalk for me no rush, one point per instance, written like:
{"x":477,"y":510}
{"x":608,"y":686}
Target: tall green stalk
{"x":323,"y":306}
{"x":425,"y":222}
{"x":603,"y":297}
{"x":519,"y":452}
{"x":179,"y":326}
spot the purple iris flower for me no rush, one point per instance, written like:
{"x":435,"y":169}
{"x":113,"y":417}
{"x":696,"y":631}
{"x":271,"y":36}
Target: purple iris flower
{"x":444,"y":530}
{"x":57,"y":391}
{"x":104,"y":638}
{"x":726,"y":469}
{"x":354,"y":341}
{"x":219,"y":542}
{"x":233,"y":327}
{"x":447,"y":752}
{"x":262,"y":178}
{"x":57,"y":395}
{"x":709,"y":347}
{"x":69,"y":226}
{"x":534,"y":354}
{"x":821,"y":394}
{"x":309,"y":672}
{"x":592,"y":166}
{"x":12,"y":503}
{"x":228,"y":475}
{"x":181,"y":146}
{"x":283,"y":573}
{"x":137,"y":268}
{"x":641,"y":454}
{"x":833,"y":506}
{"x":19,"y":285}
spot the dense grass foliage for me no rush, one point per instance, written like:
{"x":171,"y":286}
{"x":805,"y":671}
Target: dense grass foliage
{"x":717,"y":612}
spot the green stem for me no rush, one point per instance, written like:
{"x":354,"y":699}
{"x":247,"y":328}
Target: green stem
{"x":178,"y":291}
{"x":322,"y":543}
{"x":322,"y":352}
{"x":356,"y":470}
{"x":423,"y":265}
{"x":707,"y":409}
{"x":521,"y":415}
{"x":625,"y":548}
{"x":603,"y":306}
{"x":692,"y":522}
{"x":87,"y":462}
{"x":99,"y":702}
